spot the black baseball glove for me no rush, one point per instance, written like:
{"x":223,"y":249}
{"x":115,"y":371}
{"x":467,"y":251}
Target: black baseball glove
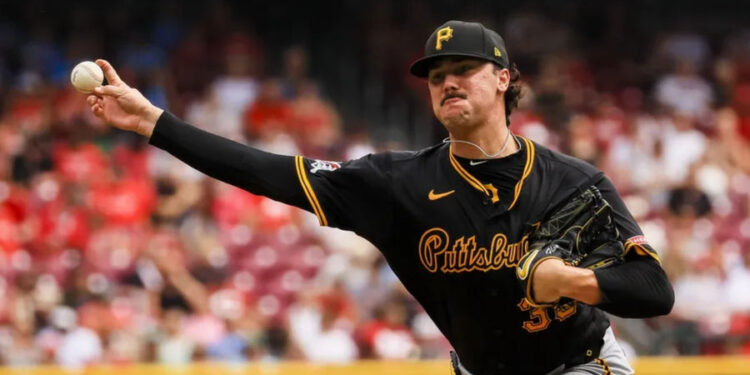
{"x":581,"y":233}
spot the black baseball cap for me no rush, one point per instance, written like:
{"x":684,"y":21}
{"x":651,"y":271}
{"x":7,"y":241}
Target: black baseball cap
{"x":459,"y":38}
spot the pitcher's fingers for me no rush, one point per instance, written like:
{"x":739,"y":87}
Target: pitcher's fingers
{"x":91,"y":99}
{"x":109,"y":72}
{"x":110,"y":90}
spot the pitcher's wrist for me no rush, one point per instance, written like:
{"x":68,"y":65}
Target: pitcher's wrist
{"x":148,"y":120}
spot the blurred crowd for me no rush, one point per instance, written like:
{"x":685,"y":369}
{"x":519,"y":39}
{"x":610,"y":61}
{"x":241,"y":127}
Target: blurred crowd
{"x":114,"y":251}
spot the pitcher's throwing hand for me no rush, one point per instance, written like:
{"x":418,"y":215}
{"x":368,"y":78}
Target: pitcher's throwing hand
{"x":121,"y":105}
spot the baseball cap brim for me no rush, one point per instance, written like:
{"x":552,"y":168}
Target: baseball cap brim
{"x":421,"y":67}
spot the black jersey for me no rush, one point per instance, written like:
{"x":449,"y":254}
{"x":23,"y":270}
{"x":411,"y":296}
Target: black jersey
{"x":454,"y":229}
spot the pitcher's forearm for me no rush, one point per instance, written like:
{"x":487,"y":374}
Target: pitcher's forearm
{"x":259,"y":172}
{"x":580,"y":284}
{"x":635,"y":289}
{"x":553,"y":280}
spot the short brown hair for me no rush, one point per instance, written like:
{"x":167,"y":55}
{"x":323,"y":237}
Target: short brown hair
{"x":513,"y":94}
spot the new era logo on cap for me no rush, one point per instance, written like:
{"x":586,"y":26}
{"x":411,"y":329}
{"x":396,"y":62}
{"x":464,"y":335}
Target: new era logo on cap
{"x":458,"y":38}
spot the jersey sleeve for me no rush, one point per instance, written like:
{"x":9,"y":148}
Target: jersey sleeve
{"x":630,"y":233}
{"x":248,"y":168}
{"x":638,"y":288}
{"x":355,"y":195}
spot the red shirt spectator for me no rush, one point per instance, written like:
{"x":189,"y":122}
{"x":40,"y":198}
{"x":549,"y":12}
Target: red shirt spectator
{"x":314,"y":120}
{"x":269,"y":111}
{"x":528,"y":124}
{"x":79,"y":163}
{"x":233,"y":206}
{"x":10,"y":240}
{"x":63,"y":226}
{"x":29,"y":112}
{"x":742,"y":106}
{"x":387,"y":341}
{"x":132,"y":160}
{"x":13,"y":211}
{"x":124,"y":202}
{"x":388,"y":336}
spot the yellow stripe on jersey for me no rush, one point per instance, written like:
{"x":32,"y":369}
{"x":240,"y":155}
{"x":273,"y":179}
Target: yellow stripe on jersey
{"x":640,"y":250}
{"x":474,"y":182}
{"x":299,"y":163}
{"x":465,"y":174}
{"x":530,"y":151}
{"x":605,"y":366}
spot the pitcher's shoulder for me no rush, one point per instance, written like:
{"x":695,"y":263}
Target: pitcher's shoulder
{"x":551,"y":161}
{"x":408,"y":160}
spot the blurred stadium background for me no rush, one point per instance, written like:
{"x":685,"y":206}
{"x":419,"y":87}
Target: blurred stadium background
{"x":114,"y":253}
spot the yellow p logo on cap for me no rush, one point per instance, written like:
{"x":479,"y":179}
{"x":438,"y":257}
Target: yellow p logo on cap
{"x":442,"y":36}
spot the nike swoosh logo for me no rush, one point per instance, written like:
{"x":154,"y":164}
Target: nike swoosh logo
{"x":523,"y":270}
{"x":472,"y":162}
{"x":434,"y":197}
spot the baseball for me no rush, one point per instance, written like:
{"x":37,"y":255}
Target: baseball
{"x":86,"y":76}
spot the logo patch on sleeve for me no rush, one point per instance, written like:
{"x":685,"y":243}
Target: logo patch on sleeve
{"x":323,"y":165}
{"x":637,"y":240}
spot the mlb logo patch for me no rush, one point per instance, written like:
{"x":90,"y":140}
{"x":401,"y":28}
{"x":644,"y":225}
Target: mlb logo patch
{"x":637,"y":240}
{"x":323,"y":165}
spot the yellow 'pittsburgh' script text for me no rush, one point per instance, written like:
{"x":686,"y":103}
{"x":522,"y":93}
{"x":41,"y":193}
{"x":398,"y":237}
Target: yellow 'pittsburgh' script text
{"x":437,"y":253}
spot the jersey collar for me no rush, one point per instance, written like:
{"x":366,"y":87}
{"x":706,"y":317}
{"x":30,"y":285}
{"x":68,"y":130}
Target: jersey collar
{"x":527,"y":146}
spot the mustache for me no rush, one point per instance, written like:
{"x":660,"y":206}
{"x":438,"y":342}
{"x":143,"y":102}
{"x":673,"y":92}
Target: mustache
{"x":451,"y":96}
